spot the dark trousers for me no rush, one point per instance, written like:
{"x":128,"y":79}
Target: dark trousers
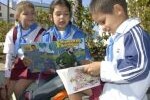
{"x":48,"y":90}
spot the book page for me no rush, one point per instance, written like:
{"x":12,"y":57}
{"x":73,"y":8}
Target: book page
{"x":54,"y":55}
{"x":75,"y":80}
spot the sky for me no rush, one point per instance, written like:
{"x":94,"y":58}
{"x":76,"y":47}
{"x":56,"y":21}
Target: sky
{"x":85,"y":2}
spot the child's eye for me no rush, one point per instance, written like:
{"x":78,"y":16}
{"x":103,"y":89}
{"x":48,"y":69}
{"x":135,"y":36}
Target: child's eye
{"x":102,"y":22}
{"x":28,"y":14}
{"x":58,"y":14}
{"x":32,"y":13}
{"x":25,"y":14}
{"x":66,"y":13}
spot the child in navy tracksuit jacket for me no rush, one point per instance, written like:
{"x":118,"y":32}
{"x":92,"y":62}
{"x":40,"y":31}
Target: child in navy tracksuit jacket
{"x":126,"y":68}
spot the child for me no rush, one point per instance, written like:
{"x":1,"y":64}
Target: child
{"x":18,"y":77}
{"x":63,"y":29}
{"x":126,"y":68}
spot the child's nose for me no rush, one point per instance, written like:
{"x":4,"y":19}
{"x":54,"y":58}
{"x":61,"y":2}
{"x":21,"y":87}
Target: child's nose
{"x":62,"y":16}
{"x":31,"y":15}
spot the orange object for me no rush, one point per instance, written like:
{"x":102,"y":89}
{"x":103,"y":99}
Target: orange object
{"x":61,"y":95}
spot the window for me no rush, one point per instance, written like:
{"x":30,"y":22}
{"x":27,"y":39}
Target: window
{"x":11,"y":15}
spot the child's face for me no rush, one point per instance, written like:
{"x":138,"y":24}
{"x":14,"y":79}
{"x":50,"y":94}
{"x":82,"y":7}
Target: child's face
{"x":61,"y":16}
{"x":27,"y":17}
{"x":109,"y":22}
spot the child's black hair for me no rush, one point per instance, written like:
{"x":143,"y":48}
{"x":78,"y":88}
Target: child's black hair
{"x":59,"y":2}
{"x":106,"y":6}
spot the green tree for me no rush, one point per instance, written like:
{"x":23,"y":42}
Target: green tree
{"x":43,"y":18}
{"x":77,"y":11}
{"x":4,"y":28}
{"x":82,"y":18}
{"x":141,"y":9}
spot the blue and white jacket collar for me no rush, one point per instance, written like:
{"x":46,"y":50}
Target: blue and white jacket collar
{"x":127,"y":25}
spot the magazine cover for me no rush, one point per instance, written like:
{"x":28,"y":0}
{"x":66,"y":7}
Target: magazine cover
{"x":75,"y":80}
{"x":54,"y":55}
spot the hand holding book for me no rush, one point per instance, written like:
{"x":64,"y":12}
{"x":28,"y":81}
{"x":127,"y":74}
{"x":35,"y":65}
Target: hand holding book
{"x":76,"y":80}
{"x":93,"y":68}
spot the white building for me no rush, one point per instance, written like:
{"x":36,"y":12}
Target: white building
{"x":12,"y":5}
{"x":4,"y":14}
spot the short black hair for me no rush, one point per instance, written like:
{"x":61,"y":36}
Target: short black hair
{"x":106,"y":6}
{"x":59,"y":2}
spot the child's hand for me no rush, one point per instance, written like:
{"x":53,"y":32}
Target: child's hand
{"x":93,"y":68}
{"x":27,"y":62}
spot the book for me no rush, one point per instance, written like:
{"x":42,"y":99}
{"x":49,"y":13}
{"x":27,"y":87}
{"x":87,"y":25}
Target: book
{"x":54,"y":55}
{"x":75,"y":80}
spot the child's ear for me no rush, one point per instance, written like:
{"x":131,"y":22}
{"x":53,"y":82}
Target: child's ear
{"x":50,"y":17}
{"x":118,"y":9}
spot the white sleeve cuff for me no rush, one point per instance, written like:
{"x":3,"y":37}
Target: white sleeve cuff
{"x":8,"y":64}
{"x":109,"y":73}
{"x":9,"y":61}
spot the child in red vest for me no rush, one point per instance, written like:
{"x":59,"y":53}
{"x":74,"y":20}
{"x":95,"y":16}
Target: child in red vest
{"x":18,"y":76}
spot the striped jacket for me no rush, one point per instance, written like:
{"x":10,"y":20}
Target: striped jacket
{"x":127,"y":75}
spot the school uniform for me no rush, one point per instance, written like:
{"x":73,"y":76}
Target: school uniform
{"x":48,"y":90}
{"x":126,"y":68}
{"x":14,"y":67}
{"x":71,"y":32}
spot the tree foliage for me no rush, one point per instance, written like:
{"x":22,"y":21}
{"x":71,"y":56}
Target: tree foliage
{"x":82,"y":18}
{"x":4,"y":28}
{"x":77,"y":11}
{"x":43,"y":18}
{"x":141,"y":9}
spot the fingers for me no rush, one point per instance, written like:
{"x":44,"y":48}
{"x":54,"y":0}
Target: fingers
{"x":88,"y":69}
{"x":92,"y":68}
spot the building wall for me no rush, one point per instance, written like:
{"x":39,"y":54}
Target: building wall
{"x":3,"y":12}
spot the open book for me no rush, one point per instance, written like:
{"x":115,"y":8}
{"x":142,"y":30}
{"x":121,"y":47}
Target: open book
{"x":54,"y":55}
{"x":75,"y":80}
